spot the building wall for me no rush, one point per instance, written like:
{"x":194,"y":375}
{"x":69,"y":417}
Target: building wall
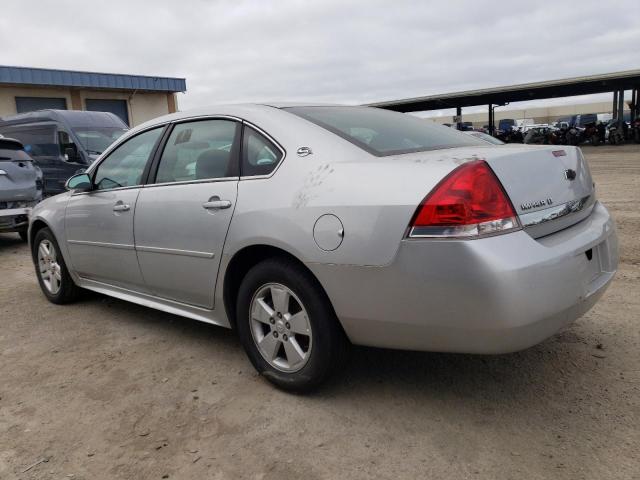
{"x":538,"y":114}
{"x":142,"y":106}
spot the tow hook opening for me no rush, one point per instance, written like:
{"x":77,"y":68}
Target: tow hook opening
{"x":589,"y":254}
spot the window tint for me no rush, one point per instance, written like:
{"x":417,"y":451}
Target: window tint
{"x":38,"y":140}
{"x":382,"y":132}
{"x":197,"y":151}
{"x":125,"y":165}
{"x":259,"y":155}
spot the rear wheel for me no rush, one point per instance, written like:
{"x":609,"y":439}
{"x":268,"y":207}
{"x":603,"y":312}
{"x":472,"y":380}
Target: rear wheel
{"x":288,"y":327}
{"x":53,"y":275}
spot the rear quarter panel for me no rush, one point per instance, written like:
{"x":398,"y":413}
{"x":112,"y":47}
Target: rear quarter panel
{"x":374,"y":197}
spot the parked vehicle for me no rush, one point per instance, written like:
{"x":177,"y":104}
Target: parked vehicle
{"x":615,"y":135}
{"x":537,"y":135}
{"x":513,"y":135}
{"x":20,"y":187}
{"x":590,"y":134}
{"x":506,"y":124}
{"x":63,"y":141}
{"x":635,"y":130}
{"x":307,"y":228}
{"x":485,"y":137}
{"x":573,"y":136}
{"x":583,"y":119}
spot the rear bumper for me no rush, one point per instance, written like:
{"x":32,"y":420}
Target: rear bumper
{"x":492,"y":295}
{"x":14,"y":219}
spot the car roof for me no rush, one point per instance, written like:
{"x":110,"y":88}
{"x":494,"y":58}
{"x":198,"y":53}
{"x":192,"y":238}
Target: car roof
{"x":73,"y":118}
{"x":240,"y":110}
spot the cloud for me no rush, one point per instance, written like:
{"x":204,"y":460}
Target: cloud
{"x":329,"y":51}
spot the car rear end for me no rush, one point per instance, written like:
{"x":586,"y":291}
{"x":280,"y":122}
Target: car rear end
{"x":504,"y":249}
{"x":20,"y":186}
{"x":509,"y":248}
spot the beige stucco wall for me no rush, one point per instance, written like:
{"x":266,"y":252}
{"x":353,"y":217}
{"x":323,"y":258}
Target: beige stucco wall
{"x":142,"y":106}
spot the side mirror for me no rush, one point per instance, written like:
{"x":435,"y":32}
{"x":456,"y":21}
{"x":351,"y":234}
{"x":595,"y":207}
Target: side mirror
{"x":79,"y":183}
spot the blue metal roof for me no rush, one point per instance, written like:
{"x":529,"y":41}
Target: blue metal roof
{"x":69,"y":78}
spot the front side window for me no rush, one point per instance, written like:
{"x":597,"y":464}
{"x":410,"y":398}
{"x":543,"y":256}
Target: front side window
{"x":259,"y":155}
{"x":382,"y":132}
{"x":125,"y":165}
{"x":198,"y":151}
{"x":65,"y":141}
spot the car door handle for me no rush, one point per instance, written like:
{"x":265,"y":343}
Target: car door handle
{"x":215,"y":203}
{"x":121,"y":207}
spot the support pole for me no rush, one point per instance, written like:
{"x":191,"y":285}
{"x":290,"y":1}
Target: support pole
{"x":615,"y":105}
{"x":459,"y":115}
{"x":491,"y":119}
{"x":620,"y":109}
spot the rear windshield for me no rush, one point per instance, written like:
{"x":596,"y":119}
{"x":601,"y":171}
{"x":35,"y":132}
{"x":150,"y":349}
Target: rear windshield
{"x":382,"y":132}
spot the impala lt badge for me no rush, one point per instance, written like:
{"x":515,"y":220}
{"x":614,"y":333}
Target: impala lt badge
{"x":570,"y":174}
{"x":536,"y":204}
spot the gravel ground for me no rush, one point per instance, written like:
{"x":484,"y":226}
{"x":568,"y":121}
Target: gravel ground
{"x":105,"y":389}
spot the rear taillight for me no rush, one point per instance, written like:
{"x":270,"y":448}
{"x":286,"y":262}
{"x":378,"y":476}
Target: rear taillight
{"x":468,"y":202}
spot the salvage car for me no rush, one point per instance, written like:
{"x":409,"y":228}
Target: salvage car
{"x":20,"y":187}
{"x":308,"y":228}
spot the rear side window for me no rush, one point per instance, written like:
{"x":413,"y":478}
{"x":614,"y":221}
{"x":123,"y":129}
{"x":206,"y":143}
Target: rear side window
{"x":259,"y":155}
{"x":383,"y":132}
{"x":38,"y":140}
{"x":199,"y":151}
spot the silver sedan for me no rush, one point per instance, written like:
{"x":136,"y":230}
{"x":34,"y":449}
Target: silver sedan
{"x":310,"y":228}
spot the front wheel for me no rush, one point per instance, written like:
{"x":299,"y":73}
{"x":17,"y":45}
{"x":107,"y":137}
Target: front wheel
{"x":288,"y":327}
{"x":54,"y":278}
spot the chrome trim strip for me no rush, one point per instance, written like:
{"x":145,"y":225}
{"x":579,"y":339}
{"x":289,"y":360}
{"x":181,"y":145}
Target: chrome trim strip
{"x":106,"y":190}
{"x":559,"y":211}
{"x":176,"y":251}
{"x":120,"y":246}
{"x":189,"y":182}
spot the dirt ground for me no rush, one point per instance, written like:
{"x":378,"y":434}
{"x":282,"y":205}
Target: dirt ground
{"x":103,"y":389}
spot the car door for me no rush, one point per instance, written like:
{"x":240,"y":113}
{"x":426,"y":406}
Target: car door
{"x":99,"y":223}
{"x":182,"y":218}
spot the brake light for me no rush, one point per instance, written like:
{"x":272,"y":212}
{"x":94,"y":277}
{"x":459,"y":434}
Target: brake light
{"x":468,"y":202}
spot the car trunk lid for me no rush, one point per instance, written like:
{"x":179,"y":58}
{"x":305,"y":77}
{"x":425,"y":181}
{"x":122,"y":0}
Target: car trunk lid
{"x":550,"y":187}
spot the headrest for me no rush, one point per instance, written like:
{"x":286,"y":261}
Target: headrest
{"x":212,"y":163}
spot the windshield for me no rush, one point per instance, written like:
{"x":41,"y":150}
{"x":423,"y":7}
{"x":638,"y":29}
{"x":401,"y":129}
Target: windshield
{"x":95,"y":140}
{"x":383,"y":132}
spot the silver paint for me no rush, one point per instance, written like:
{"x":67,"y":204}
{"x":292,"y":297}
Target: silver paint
{"x":485,"y":295}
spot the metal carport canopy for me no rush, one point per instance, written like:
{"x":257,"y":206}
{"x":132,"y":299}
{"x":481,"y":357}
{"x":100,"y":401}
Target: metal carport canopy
{"x":566,"y":87}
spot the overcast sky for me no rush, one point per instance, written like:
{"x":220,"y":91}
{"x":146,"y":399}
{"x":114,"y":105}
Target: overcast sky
{"x":329,"y":51}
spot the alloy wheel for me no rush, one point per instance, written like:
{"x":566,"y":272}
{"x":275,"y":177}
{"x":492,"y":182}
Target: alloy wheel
{"x":280,"y":327}
{"x":48,"y":266}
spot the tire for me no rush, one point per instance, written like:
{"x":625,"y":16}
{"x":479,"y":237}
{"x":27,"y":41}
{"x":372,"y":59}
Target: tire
{"x":303,"y":353}
{"x":53,"y":275}
{"x":24,"y":235}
